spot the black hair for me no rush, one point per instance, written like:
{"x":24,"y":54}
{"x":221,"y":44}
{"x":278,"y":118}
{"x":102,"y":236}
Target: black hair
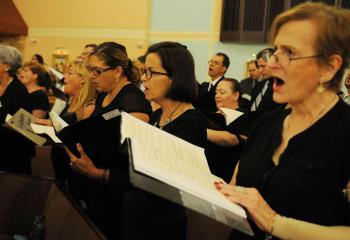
{"x":39,"y":58}
{"x":114,"y":54}
{"x":179,"y":64}
{"x":226,"y":59}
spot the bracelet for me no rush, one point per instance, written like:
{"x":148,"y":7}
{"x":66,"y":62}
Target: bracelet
{"x":105,"y":176}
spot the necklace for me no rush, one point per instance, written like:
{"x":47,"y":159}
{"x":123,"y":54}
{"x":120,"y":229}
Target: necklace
{"x":319,"y":114}
{"x":168,"y":120}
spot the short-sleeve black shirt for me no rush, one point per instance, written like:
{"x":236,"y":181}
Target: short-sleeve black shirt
{"x":39,"y":100}
{"x":129,"y":99}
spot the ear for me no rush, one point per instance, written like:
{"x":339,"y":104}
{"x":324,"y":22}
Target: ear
{"x":328,"y":71}
{"x":236,"y":96}
{"x":117,"y":72}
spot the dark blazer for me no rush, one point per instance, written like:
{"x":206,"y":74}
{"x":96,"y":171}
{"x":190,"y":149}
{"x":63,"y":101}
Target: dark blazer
{"x":247,"y":85}
{"x":267,"y":103}
{"x":206,"y":99}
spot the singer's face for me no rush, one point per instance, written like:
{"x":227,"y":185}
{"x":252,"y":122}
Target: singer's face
{"x":156,"y":83}
{"x":225,"y":97}
{"x":103,"y":81}
{"x":26,"y":76}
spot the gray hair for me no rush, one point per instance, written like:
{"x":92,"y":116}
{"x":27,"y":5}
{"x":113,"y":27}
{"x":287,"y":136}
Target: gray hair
{"x":11,"y":56}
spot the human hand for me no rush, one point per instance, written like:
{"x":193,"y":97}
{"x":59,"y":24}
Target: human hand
{"x":250,"y":198}
{"x":84,"y":165}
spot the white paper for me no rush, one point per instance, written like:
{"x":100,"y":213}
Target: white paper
{"x":40,"y":129}
{"x":173,"y":161}
{"x":58,"y":106}
{"x":57,"y":122}
{"x":230,"y":114}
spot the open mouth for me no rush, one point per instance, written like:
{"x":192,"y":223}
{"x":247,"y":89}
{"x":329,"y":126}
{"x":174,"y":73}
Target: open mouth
{"x":278,"y":82}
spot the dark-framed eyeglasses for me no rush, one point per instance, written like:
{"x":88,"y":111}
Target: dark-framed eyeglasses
{"x":283,"y":59}
{"x":98,"y":71}
{"x":148,"y":73}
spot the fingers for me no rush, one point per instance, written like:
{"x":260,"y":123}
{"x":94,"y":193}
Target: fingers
{"x":81,"y":150}
{"x":70,"y":154}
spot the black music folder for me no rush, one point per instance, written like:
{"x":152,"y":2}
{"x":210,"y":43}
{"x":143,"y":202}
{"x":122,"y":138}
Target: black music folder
{"x":99,"y":135}
{"x":176,"y":170}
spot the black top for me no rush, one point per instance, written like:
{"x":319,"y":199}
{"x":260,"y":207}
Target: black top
{"x":222,"y":160}
{"x":14,"y":98}
{"x":148,"y":216}
{"x":205,"y":101}
{"x":129,"y":99}
{"x":15,"y":149}
{"x":190,"y":126}
{"x":39,"y":100}
{"x":314,"y":168}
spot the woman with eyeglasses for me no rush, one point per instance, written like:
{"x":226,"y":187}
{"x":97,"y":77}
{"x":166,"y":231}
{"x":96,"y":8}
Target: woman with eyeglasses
{"x":169,"y":80}
{"x":116,"y":78}
{"x":295,"y":164}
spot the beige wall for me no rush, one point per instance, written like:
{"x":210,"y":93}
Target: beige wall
{"x":72,"y":24}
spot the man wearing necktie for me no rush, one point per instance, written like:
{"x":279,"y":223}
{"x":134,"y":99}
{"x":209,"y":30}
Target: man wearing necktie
{"x":218,"y":66}
{"x":261,"y":98}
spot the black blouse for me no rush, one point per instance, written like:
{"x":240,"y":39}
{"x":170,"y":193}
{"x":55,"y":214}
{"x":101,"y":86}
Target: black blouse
{"x":14,"y":98}
{"x":314,"y":168}
{"x":129,"y":99}
{"x":189,"y":126}
{"x":39,"y":100}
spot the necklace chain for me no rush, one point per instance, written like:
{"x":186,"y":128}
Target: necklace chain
{"x":323,"y":110}
{"x":168,"y":120}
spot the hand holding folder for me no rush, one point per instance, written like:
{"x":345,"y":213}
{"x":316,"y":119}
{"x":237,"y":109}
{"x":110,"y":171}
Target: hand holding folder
{"x":174,"y":169}
{"x":99,"y":136}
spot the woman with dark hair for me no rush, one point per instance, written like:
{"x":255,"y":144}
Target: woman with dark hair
{"x":169,"y":80}
{"x":16,"y":151}
{"x":116,"y":78}
{"x":31,"y":75}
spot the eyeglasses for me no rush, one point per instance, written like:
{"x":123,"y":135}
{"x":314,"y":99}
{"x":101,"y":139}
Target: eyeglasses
{"x":98,"y":71}
{"x":214,"y":62}
{"x":284,"y":59}
{"x":148,"y":73}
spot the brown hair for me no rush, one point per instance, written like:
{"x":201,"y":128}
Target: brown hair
{"x":333,"y":33}
{"x":114,"y":54}
{"x":40,"y":71}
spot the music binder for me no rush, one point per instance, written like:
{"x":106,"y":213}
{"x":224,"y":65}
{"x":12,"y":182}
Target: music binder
{"x":99,"y":136}
{"x":197,"y":193}
{"x":20,"y":122}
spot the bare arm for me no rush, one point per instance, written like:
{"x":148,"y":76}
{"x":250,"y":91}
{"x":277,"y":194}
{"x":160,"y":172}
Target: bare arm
{"x":292,"y":229}
{"x":222,"y":138}
{"x":39,"y":113}
{"x":142,"y":116}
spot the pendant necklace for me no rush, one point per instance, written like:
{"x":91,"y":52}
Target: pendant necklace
{"x":168,"y":120}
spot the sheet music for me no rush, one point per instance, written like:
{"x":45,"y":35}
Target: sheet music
{"x":57,"y":122}
{"x":41,"y":129}
{"x":230,"y":114}
{"x":58,"y":106}
{"x":20,"y":122}
{"x":173,"y":161}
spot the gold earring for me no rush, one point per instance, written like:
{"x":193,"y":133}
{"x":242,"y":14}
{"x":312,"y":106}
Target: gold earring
{"x":320,"y":88}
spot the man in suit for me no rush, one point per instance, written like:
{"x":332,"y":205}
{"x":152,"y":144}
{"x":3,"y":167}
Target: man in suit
{"x":261,"y":95}
{"x":218,"y":66}
{"x":248,"y":84}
